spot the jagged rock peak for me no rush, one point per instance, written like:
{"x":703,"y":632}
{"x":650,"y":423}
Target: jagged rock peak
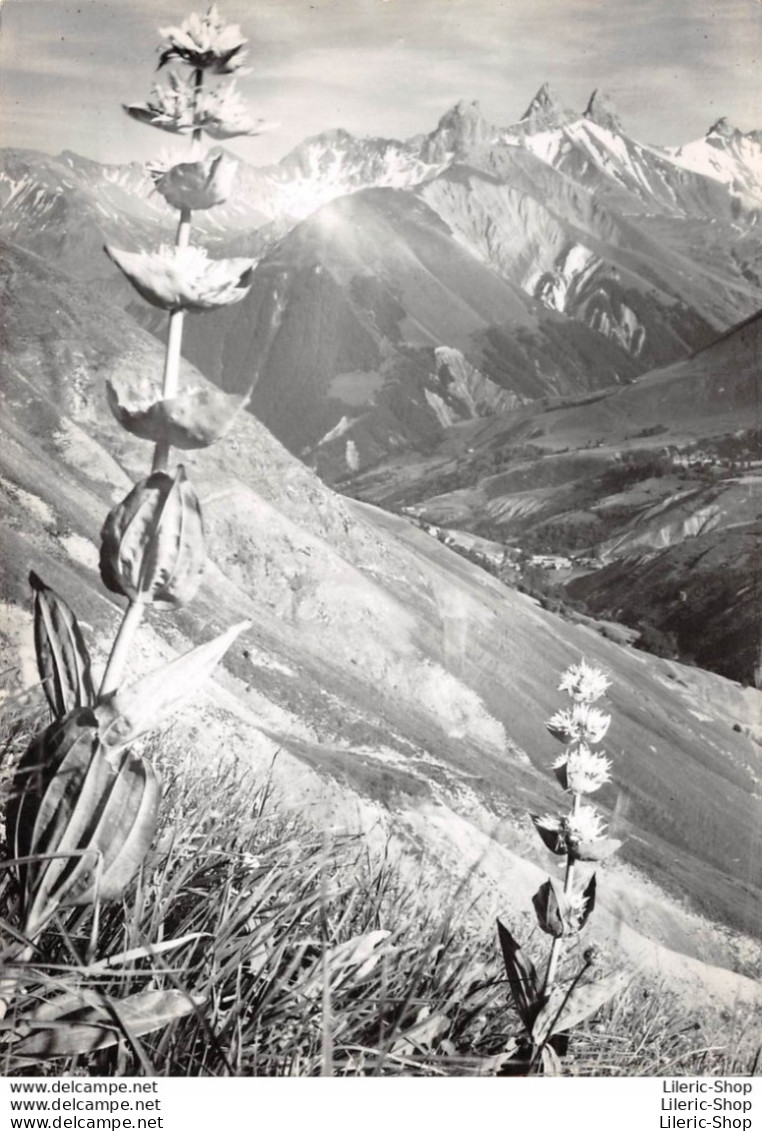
{"x":602,"y":111}
{"x":461,"y":130}
{"x":463,"y":116}
{"x":546,"y":112}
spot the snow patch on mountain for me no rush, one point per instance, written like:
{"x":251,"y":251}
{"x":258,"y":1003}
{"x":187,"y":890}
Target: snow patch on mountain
{"x":478,"y":394}
{"x":639,"y":169}
{"x":548,"y":145}
{"x":553,"y":288}
{"x":11,"y":187}
{"x":625,"y":328}
{"x":564,"y":250}
{"x":352,"y":456}
{"x":616,"y":155}
{"x":337,"y":431}
{"x":329,"y":175}
{"x":725,"y":155}
{"x":444,"y":413}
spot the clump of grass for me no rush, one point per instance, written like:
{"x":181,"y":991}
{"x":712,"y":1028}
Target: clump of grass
{"x":645,"y":1031}
{"x":313,"y":957}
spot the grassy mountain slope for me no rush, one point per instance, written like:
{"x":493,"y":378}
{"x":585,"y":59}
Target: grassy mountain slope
{"x":402,"y":688}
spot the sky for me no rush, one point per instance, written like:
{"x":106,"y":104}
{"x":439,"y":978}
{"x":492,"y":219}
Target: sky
{"x":386,"y":68}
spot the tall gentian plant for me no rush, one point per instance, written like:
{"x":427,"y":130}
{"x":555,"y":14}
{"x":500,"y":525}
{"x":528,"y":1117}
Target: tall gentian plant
{"x":86,"y":799}
{"x":547,"y":1006}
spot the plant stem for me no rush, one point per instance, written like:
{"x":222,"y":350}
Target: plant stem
{"x":555,"y":946}
{"x":577,"y":801}
{"x":120,"y":648}
{"x":171,"y":375}
{"x":550,"y":973}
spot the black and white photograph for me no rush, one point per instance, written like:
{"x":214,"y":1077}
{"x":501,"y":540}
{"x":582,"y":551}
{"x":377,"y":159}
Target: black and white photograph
{"x":380,"y":527}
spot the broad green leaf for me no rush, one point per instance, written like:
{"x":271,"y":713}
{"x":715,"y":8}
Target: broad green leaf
{"x":543,"y":1026}
{"x":38,"y":766}
{"x":589,"y":894}
{"x":122,"y":826}
{"x":552,"y":908}
{"x":63,"y":825}
{"x":556,"y":914}
{"x":554,"y":839}
{"x":138,"y":836}
{"x":48,"y":786}
{"x":522,"y":976}
{"x":62,"y":657}
{"x":567,"y":1008}
{"x":85,"y":816}
{"x":77,"y":1023}
{"x":133,"y":710}
{"x":153,"y":549}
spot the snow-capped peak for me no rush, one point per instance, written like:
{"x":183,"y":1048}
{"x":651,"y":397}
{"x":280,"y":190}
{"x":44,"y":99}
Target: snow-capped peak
{"x":726,"y":155}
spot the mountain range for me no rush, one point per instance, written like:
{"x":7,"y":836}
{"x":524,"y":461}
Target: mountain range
{"x":554,"y":255}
